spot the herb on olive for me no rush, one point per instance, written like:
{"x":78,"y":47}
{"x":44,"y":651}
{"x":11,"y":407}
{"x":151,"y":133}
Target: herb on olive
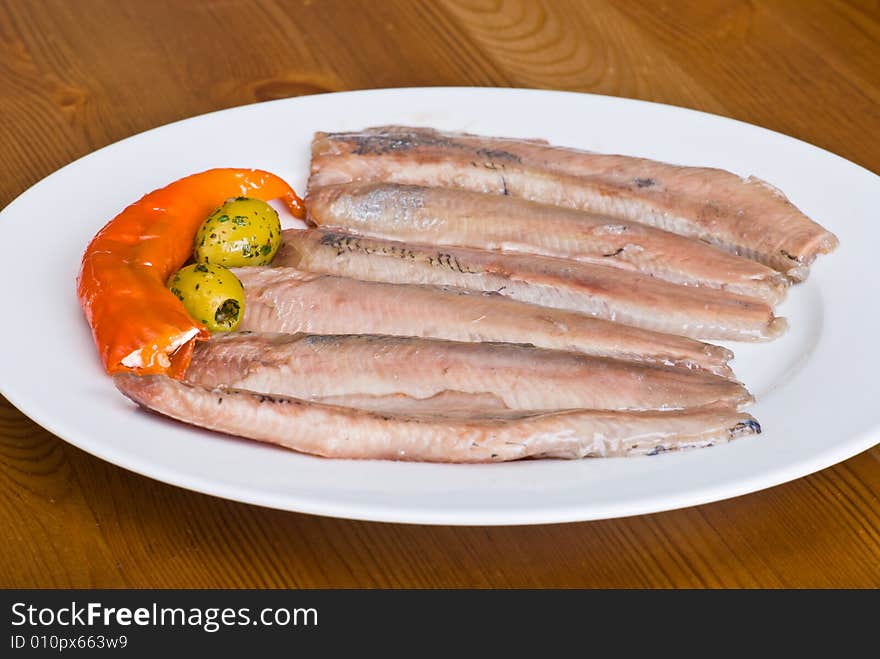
{"x":243,"y":231}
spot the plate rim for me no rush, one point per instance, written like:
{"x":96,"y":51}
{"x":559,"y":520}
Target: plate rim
{"x":386,"y":90}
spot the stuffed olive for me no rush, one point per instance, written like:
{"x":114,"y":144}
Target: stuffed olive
{"x":211,"y":294}
{"x":243,"y":231}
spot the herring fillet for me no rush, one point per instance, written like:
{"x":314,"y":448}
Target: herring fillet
{"x":605,"y":292}
{"x":460,"y":218}
{"x":368,"y":368}
{"x":340,"y":432}
{"x":745,"y":216}
{"x":281,"y":299}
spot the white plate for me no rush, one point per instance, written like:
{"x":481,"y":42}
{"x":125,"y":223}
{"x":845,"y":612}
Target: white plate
{"x":816,"y":386}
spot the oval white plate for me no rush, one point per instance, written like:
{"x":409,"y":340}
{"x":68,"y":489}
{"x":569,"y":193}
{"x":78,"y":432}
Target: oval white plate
{"x":816,"y":386}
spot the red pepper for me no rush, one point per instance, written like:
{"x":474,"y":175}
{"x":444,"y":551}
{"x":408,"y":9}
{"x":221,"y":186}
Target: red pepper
{"x":137,"y":323}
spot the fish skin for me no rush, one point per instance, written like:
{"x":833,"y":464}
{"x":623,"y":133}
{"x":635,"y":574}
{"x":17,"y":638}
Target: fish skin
{"x":521,"y":377}
{"x":281,"y":299}
{"x":341,"y":432}
{"x":461,"y":218}
{"x":745,"y":216}
{"x":605,"y":292}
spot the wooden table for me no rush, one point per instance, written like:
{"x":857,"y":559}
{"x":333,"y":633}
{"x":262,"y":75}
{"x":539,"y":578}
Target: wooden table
{"x":76,"y":75}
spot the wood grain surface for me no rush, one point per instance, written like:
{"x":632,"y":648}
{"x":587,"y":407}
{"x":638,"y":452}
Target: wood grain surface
{"x":76,"y":75}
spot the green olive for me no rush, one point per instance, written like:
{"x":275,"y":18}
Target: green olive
{"x":243,"y":231}
{"x":211,"y":294}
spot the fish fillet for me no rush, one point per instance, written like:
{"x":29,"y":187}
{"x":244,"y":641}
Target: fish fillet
{"x":626,"y":297}
{"x":744,"y":216}
{"x":443,"y":216}
{"x":340,"y":432}
{"x":369,"y":368}
{"x":289,"y":300}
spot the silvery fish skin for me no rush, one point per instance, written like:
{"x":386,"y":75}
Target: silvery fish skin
{"x":376,"y":371}
{"x":282,"y":299}
{"x":744,"y":216}
{"x":342,"y":432}
{"x":460,"y":218}
{"x":605,"y":292}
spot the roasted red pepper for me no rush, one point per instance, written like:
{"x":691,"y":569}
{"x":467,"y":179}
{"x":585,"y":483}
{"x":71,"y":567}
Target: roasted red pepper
{"x":137,"y":323}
